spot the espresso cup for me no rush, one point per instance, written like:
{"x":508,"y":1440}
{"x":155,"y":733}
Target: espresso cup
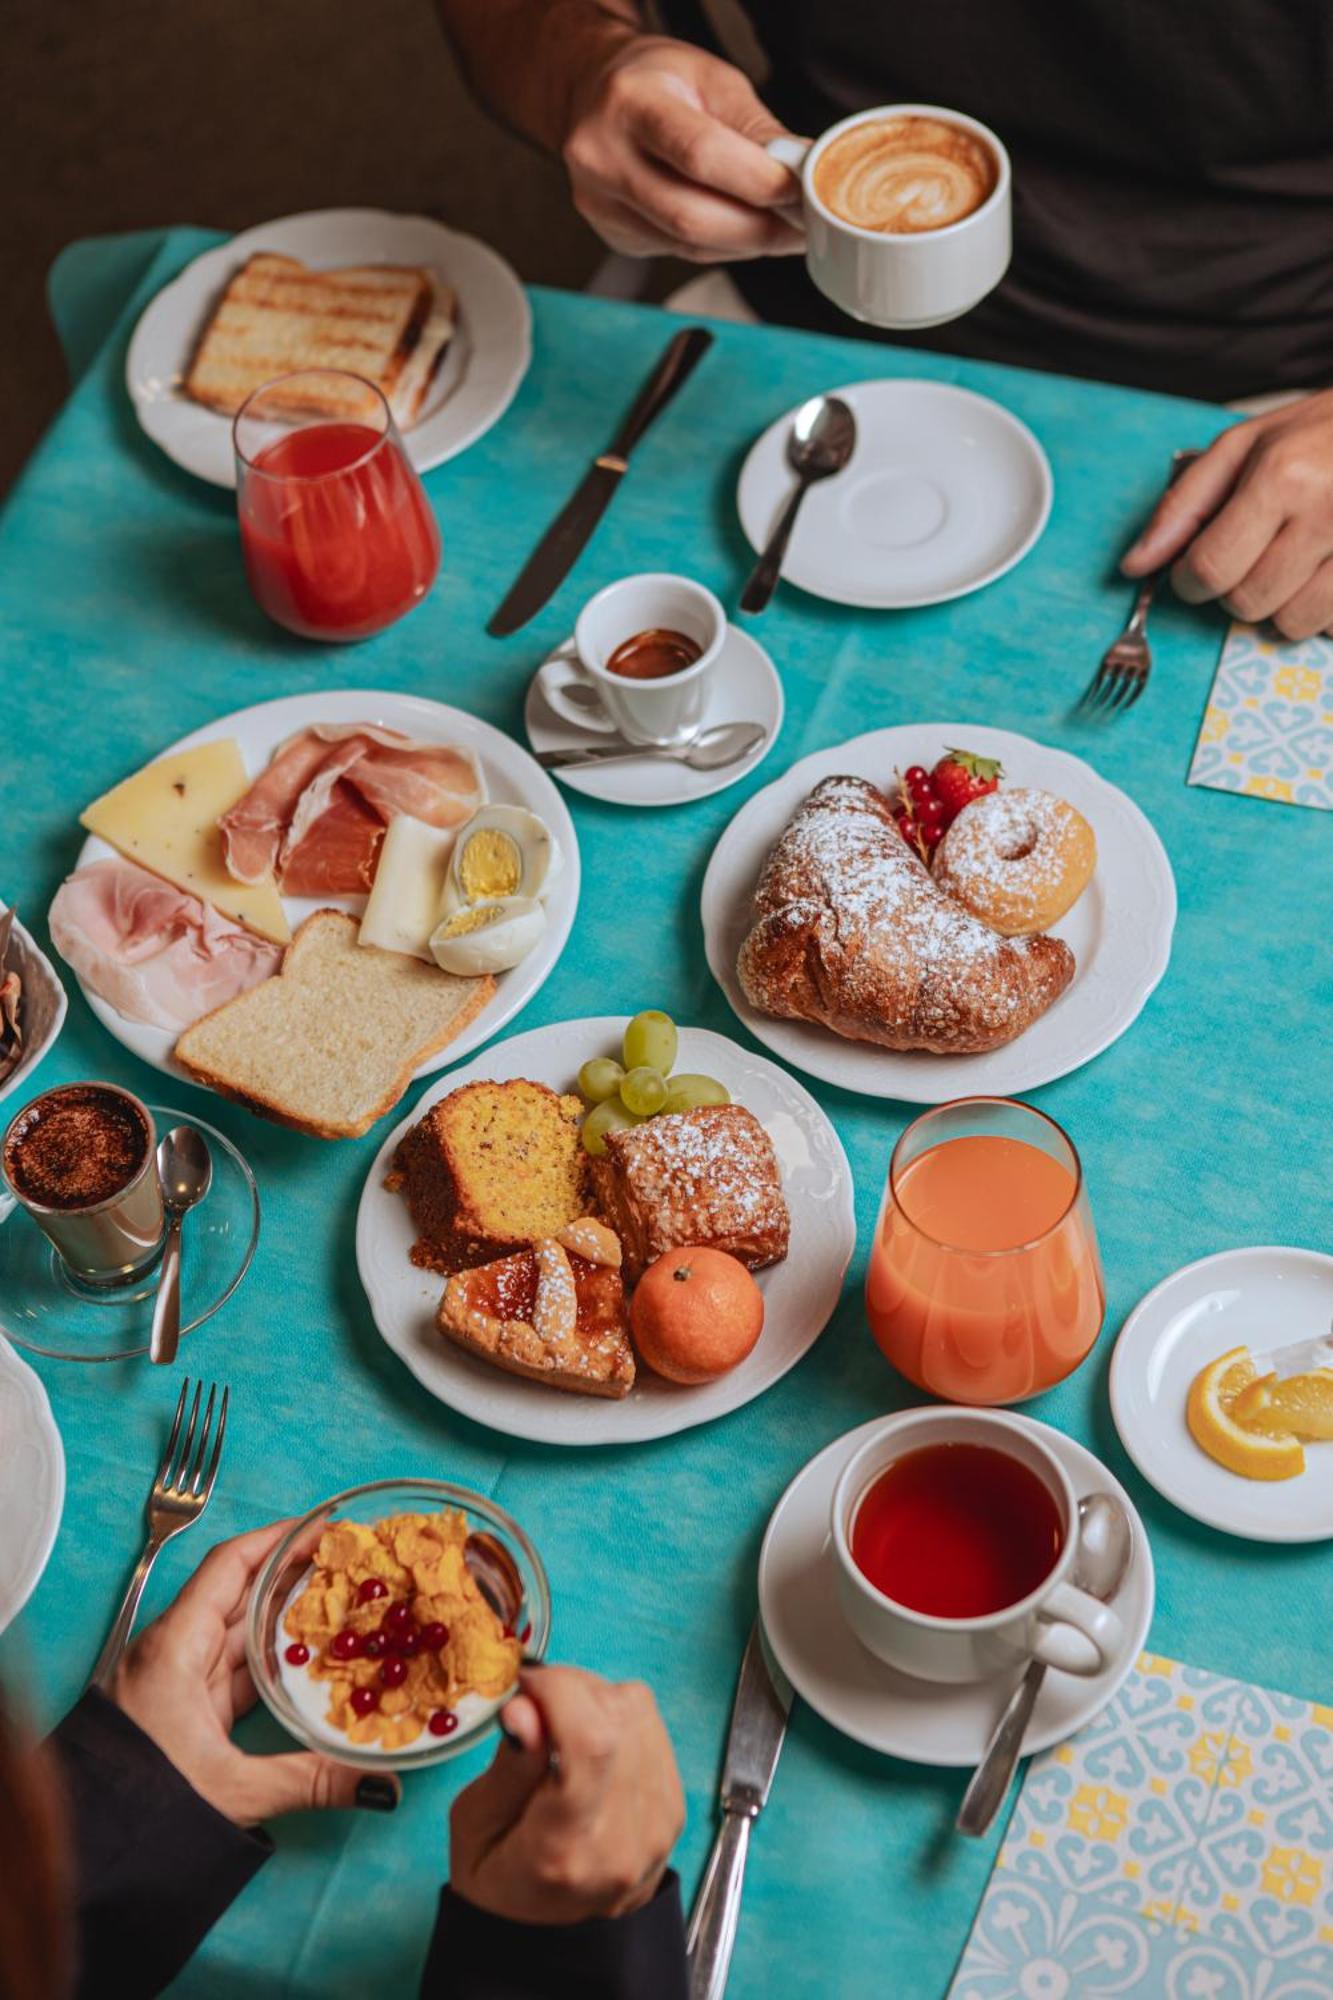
{"x":1057,"y":1623}
{"x":651,"y":712}
{"x":106,"y":1234}
{"x":903,"y":280}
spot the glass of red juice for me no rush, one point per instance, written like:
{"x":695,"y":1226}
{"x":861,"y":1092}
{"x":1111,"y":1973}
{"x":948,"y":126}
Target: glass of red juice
{"x":338,"y":536}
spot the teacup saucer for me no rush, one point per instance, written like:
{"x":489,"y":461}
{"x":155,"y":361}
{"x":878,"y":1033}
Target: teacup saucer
{"x":920,"y":1721}
{"x":745,"y":688}
{"x":944,"y":492}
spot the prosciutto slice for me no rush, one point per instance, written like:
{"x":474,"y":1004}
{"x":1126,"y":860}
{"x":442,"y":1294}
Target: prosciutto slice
{"x":314,"y":818}
{"x":150,"y":951}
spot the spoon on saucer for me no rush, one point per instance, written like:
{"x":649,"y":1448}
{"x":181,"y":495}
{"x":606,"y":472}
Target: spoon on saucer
{"x":186,"y":1173}
{"x":711,"y":750}
{"x":823,"y":437}
{"x":1105,"y":1550}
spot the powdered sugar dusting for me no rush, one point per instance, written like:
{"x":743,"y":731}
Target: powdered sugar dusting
{"x":1008,"y":856}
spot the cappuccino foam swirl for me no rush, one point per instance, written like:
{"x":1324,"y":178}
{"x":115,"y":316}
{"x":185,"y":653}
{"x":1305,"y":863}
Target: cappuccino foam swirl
{"x":902,"y":176}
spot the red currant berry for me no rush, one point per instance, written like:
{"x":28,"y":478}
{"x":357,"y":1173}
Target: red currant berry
{"x":915,"y":776}
{"x":394,"y":1672}
{"x":525,"y":1635}
{"x":443,"y":1722}
{"x":363,"y":1700}
{"x":371,"y":1589}
{"x":406,"y":1644}
{"x":398,"y":1618}
{"x":345,"y":1645}
{"x":435,"y":1637}
{"x":373,"y":1646}
{"x":297,"y":1655}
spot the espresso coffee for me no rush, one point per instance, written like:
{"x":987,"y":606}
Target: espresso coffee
{"x":904,"y":175}
{"x":76,"y":1148}
{"x":652,"y":655}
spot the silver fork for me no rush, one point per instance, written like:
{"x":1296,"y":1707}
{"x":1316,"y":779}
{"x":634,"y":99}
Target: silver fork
{"x":1127,"y":662}
{"x":179,"y":1495}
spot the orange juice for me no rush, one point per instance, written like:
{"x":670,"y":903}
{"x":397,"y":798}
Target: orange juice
{"x":984,"y":1284}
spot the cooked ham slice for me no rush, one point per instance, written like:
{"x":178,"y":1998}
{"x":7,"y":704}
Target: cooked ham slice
{"x":295,"y":823}
{"x":149,"y":950}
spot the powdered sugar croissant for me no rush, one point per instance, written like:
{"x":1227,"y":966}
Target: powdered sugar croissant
{"x":851,"y":931}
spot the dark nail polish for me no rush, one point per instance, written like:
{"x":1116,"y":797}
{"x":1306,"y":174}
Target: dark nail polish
{"x":377,"y":1794}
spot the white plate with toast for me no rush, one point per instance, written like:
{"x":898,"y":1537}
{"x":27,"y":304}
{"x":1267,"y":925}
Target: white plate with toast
{"x":511,"y":777}
{"x":800,"y":1293}
{"x":1119,"y":930}
{"x":486,"y":359}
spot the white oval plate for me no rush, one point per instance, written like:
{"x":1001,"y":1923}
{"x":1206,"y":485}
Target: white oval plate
{"x":1119,"y":930}
{"x":486,"y":359}
{"x":511,"y":776}
{"x":32,"y":1482}
{"x":944,"y":492}
{"x":799,"y":1294}
{"x":42,"y":1004}
{"x":1258,"y":1298}
{"x":923,"y":1722}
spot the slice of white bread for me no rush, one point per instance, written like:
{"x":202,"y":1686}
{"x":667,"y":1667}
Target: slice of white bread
{"x":329,"y":1044}
{"x":277,"y":316}
{"x":423,"y":364}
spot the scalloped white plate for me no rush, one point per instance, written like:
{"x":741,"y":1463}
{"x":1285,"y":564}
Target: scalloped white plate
{"x":42,"y":1007}
{"x":32,"y":1482}
{"x":1119,"y":930}
{"x":799,"y":1294}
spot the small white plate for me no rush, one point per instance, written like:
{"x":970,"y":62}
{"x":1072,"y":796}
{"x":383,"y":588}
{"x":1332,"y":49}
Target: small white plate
{"x":799,"y":1294}
{"x":485,"y":362}
{"x":1119,"y":930}
{"x":923,"y":1722}
{"x":944,"y":492}
{"x":32,"y":1482}
{"x":1259,"y":1298}
{"x":511,"y":777}
{"x":42,"y":1004}
{"x":745,"y":688}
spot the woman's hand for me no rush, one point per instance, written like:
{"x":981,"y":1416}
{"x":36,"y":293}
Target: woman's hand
{"x":586,"y":1833}
{"x":1250,"y":523}
{"x":184,"y":1680}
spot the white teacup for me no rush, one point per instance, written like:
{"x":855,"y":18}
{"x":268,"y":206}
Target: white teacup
{"x":644,"y":711}
{"x":1056,"y":1623}
{"x":903,"y":281}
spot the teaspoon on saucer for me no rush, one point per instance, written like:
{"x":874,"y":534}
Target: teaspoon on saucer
{"x":821,"y":441}
{"x":185,"y":1170}
{"x":711,"y":750}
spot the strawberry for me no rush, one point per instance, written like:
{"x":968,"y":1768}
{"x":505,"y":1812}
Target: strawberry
{"x":961,"y":776}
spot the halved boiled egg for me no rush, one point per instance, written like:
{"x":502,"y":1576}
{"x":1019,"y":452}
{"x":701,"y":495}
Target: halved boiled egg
{"x":501,"y":852}
{"x":487,"y":937}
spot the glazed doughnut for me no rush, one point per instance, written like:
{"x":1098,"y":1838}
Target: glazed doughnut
{"x":1017,"y":860}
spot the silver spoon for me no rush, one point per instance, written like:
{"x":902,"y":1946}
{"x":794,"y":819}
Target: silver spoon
{"x":185,"y":1171}
{"x":712,"y":749}
{"x":823,"y":437}
{"x":1105,"y":1550}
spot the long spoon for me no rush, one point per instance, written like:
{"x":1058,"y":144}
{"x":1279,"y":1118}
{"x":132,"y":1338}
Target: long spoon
{"x":823,"y":437}
{"x":1105,"y":1550}
{"x":186,"y":1172}
{"x":711,"y":750}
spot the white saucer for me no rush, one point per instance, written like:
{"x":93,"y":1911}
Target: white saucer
{"x":32,"y":1482}
{"x":944,"y":492}
{"x":920,"y":1721}
{"x":1256,"y":1298}
{"x":745,"y":688}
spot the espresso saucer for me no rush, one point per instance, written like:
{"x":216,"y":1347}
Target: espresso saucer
{"x":43,"y":1308}
{"x":922,"y":1722}
{"x":944,"y":492}
{"x":744,"y":688}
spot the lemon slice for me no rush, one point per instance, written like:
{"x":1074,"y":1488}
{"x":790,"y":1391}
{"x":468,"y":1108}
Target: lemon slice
{"x":1302,"y":1404}
{"x":1213,"y":1424}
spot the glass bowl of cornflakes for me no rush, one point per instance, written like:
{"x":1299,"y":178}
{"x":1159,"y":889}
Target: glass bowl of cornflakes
{"x":388,"y":1624}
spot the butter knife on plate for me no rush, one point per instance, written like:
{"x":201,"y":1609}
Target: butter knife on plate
{"x":758,"y":1726}
{"x":559,"y":548}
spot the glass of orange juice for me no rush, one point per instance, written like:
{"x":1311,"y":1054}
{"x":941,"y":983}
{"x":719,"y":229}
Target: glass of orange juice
{"x":985,"y":1282}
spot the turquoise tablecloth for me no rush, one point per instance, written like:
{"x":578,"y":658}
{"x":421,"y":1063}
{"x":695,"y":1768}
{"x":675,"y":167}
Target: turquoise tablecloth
{"x":126,"y":622}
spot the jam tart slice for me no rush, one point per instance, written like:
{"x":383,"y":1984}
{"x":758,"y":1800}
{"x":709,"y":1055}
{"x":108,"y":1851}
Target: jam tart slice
{"x":555,"y":1312}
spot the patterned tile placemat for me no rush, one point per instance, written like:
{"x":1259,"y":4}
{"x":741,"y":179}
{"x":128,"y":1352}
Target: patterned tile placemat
{"x":1178,"y":1848}
{"x":1268,"y":727}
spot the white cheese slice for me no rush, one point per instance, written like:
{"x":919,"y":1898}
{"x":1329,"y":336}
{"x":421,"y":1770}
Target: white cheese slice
{"x":404,"y":903}
{"x":166,"y":818}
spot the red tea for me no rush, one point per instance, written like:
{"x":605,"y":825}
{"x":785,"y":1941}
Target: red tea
{"x":956,"y":1531}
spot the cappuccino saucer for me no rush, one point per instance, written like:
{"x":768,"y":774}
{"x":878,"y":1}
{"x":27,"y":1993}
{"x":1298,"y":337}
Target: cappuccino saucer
{"x":944,"y":492}
{"x":923,"y":1722}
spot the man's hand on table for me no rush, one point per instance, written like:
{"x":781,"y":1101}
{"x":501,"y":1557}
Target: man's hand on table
{"x":1250,"y":523}
{"x":185,"y":1681}
{"x":586,"y":1836}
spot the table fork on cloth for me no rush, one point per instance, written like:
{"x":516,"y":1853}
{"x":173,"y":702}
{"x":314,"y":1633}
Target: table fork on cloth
{"x":1127,"y":661}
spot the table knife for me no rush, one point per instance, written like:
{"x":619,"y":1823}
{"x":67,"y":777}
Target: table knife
{"x":557,"y":551}
{"x":758,"y":1725}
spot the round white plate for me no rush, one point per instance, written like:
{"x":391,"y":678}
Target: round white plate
{"x":921,"y":1721}
{"x":746,"y":688}
{"x":944,"y":492}
{"x":1260,"y":1299}
{"x":32,"y":1482}
{"x":1119,"y":930}
{"x":511,"y":777}
{"x":799,"y":1294}
{"x":485,"y":362}
{"x":42,"y":1003}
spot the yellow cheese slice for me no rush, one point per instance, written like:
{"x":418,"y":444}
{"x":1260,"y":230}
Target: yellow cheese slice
{"x":166,"y":818}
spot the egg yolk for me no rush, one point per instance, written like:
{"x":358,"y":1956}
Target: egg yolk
{"x":464,"y":922}
{"x":490,"y":864}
